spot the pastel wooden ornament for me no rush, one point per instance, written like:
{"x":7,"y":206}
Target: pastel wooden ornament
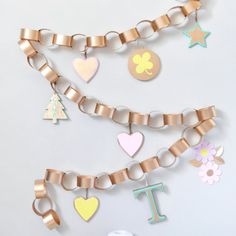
{"x":130,"y":143}
{"x":86,"y":207}
{"x":144,"y":64}
{"x":148,"y":191}
{"x":86,"y":68}
{"x":55,"y":110}
{"x":197,"y":36}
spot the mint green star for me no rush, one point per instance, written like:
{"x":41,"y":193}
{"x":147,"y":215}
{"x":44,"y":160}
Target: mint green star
{"x":197,"y":36}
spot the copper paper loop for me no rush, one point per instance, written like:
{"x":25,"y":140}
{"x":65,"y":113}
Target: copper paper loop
{"x":120,"y":112}
{"x":40,"y":188}
{"x":73,"y":94}
{"x":69,"y":188}
{"x":135,"y":166}
{"x":96,"y":41}
{"x":62,"y":40}
{"x":139,"y":119}
{"x":191,"y":7}
{"x":54,"y":176}
{"x":119,"y":176}
{"x":205,"y":127}
{"x":27,"y":48}
{"x":29,"y":34}
{"x":173,"y":119}
{"x":106,"y":178}
{"x":206,"y":113}
{"x":104,"y":110}
{"x":35,"y":209}
{"x":80,"y":104}
{"x":150,"y":25}
{"x":179,"y":147}
{"x":149,"y":164}
{"x":129,"y":36}
{"x":49,"y":73}
{"x":161,"y":23}
{"x":85,"y":181}
{"x":47,"y":39}
{"x":162,"y":155}
{"x":87,"y":105}
{"x":174,"y":11}
{"x":51,"y":219}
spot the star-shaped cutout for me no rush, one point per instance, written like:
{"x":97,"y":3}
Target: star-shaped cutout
{"x":197,"y":36}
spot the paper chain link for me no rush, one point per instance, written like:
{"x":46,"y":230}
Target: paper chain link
{"x":93,"y":107}
{"x":133,"y":34}
{"x":51,"y":217}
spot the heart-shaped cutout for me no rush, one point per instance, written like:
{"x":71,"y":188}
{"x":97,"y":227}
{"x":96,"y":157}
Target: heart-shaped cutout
{"x":86,"y":68}
{"x":131,"y":143}
{"x":86,"y":207}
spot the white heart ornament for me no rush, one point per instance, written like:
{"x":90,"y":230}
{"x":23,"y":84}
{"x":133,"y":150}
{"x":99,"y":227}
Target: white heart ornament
{"x":86,"y":68}
{"x":131,"y":143}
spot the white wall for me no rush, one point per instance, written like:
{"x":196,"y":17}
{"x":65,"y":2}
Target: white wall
{"x":194,"y":77}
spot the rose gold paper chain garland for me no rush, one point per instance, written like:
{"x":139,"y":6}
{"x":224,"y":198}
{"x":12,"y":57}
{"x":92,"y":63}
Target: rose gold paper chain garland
{"x":196,"y":122}
{"x":120,"y":115}
{"x":143,"y":63}
{"x":164,"y":21}
{"x":135,"y":171}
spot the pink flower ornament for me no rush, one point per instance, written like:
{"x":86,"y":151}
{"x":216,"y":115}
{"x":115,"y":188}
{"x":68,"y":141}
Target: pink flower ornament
{"x":210,"y":173}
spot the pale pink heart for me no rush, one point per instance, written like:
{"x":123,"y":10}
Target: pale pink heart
{"x":86,"y":68}
{"x":130,"y":143}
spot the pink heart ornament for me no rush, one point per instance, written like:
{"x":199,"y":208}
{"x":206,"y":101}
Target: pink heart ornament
{"x":86,"y":68}
{"x":131,"y":143}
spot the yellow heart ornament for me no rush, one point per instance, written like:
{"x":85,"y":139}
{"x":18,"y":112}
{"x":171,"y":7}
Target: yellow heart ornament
{"x":86,"y":207}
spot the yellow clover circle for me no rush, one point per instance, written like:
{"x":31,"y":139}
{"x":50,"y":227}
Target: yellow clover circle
{"x":143,"y":63}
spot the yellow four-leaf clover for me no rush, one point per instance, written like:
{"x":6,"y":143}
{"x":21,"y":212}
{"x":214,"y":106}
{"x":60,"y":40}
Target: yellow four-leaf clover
{"x":143,"y":63}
